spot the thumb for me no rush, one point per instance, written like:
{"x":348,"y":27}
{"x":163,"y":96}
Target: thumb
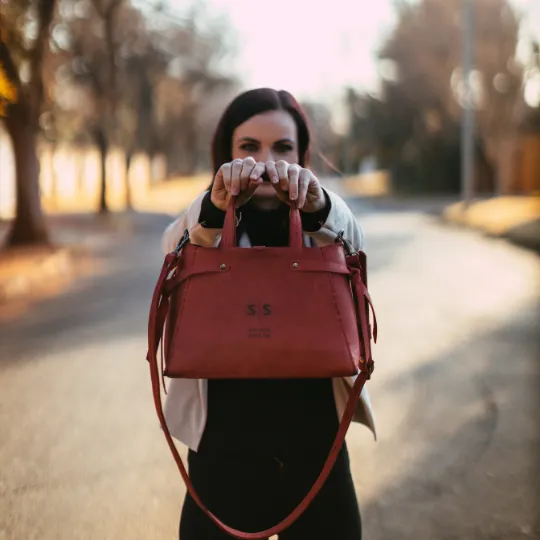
{"x":219,"y":182}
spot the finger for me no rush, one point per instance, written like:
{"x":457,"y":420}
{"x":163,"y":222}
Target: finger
{"x":235,"y":176}
{"x":271,"y":170}
{"x":294,"y":174}
{"x":252,"y":187}
{"x":304,"y":180}
{"x":314,"y":190}
{"x":225,"y":172}
{"x":282,"y":168}
{"x":283,"y":196}
{"x":247,"y":168}
{"x":246,"y":195}
{"x":257,"y":171}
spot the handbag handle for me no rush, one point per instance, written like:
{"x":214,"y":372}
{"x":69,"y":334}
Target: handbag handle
{"x":160,"y":300}
{"x":228,"y":238}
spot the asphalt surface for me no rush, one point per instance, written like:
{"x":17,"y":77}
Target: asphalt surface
{"x":455,"y":391}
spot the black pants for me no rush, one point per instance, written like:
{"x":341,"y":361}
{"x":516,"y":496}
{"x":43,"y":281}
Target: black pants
{"x":253,"y":493}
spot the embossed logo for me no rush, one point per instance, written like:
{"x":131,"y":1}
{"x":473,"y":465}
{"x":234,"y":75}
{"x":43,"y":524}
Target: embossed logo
{"x":262,"y":309}
{"x":259,"y":311}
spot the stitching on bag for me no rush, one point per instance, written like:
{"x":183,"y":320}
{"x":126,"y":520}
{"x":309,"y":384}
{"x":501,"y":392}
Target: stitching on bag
{"x":181,"y":310}
{"x":338,"y":314}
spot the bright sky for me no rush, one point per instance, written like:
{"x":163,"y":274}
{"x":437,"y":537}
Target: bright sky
{"x":314,"y":49}
{"x":310,"y":48}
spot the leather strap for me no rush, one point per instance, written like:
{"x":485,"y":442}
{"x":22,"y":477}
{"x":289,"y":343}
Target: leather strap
{"x":363,"y":304}
{"x":296,"y":235}
{"x":228,"y":237}
{"x":363,"y":294}
{"x":323,"y":266}
{"x":155,"y":328}
{"x":304,"y":266}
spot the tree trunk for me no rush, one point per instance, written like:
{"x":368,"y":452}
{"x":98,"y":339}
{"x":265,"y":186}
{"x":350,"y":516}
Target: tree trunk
{"x":129,"y":201}
{"x":189,"y":165}
{"x":29,"y":226}
{"x":506,"y":167}
{"x":103,"y":146}
{"x":501,"y":155}
{"x":54,"y":176}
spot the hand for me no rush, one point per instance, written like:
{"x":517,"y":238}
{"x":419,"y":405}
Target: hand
{"x":240,"y":178}
{"x":294,"y":183}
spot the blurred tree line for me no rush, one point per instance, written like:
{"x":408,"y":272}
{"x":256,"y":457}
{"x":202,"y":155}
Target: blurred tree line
{"x":129,"y":74}
{"x":412,"y":127}
{"x":107,"y":73}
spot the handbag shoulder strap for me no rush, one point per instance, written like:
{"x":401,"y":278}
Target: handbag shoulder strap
{"x":155,"y":328}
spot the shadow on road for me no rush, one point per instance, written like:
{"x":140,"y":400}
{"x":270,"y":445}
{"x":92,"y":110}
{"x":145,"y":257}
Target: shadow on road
{"x":97,"y":308}
{"x":473,"y":436}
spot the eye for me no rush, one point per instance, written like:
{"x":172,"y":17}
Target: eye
{"x":249,"y":147}
{"x":283,"y":148}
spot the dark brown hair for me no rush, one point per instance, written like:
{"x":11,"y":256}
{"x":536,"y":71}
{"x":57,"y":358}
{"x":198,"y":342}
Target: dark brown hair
{"x":252,"y":103}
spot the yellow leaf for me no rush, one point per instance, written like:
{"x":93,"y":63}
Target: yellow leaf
{"x":8,"y":92}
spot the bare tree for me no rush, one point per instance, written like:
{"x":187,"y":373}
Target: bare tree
{"x":531,"y":121}
{"x":22,"y":60}
{"x":142,"y":87}
{"x":501,"y":103}
{"x":141,"y":64}
{"x":418,"y":114}
{"x":91,"y":50}
{"x":325,"y":141}
{"x":193,"y":89}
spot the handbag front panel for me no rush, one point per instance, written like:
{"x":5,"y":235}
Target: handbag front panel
{"x":255,"y":313}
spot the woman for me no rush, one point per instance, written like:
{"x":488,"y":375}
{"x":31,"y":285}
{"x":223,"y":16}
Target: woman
{"x":257,"y":446}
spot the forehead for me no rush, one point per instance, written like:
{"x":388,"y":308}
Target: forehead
{"x":269,"y":126}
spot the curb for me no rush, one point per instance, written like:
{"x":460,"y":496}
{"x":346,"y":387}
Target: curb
{"x":523,"y":236}
{"x":515,"y":219}
{"x":526,"y":235}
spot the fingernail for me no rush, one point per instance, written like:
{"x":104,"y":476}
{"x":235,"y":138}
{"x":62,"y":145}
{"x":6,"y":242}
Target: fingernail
{"x":275,"y":179}
{"x":254,"y":177}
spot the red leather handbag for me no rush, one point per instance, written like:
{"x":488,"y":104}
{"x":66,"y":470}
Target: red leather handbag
{"x":277,"y":312}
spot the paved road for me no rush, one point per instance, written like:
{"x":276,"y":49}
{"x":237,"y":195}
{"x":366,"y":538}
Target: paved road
{"x":455,"y":392}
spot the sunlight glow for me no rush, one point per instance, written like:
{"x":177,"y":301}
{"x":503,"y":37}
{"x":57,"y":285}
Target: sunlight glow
{"x":311,"y":49}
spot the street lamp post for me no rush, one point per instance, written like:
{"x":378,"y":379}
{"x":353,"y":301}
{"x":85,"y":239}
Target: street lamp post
{"x":467,"y":119}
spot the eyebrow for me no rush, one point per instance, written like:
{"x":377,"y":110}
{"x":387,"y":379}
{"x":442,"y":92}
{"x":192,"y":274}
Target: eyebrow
{"x":250,"y":139}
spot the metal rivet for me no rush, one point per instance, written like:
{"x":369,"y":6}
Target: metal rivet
{"x":295,"y":265}
{"x":361,"y":360}
{"x":223,"y":266}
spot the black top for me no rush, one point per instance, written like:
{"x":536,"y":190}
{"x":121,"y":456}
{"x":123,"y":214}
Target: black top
{"x":268,"y":417}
